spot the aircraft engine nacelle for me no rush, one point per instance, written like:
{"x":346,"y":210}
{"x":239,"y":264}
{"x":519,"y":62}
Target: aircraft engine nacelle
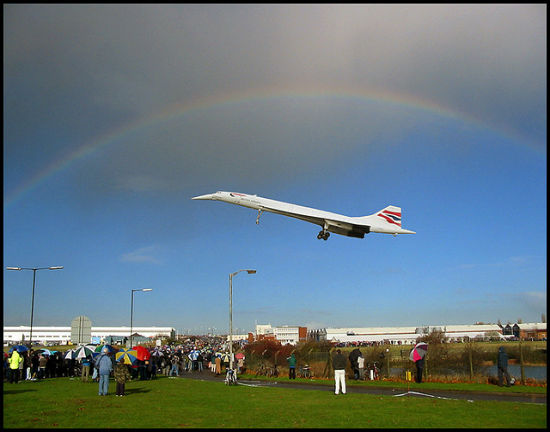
{"x":346,"y":229}
{"x":355,"y":234}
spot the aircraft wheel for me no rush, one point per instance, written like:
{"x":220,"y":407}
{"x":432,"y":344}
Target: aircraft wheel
{"x":320,"y":235}
{"x":326,"y":236}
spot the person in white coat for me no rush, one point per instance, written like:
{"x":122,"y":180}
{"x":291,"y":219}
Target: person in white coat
{"x":361,"y":367}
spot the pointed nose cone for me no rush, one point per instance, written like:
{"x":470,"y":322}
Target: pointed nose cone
{"x":204,"y":197}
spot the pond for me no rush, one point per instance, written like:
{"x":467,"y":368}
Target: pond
{"x":535,"y":372}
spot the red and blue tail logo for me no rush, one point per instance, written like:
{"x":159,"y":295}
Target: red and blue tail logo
{"x":391,"y":217}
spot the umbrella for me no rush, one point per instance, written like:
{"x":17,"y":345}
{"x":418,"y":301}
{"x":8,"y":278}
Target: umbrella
{"x":99,"y":348}
{"x":419,"y":351}
{"x":45,"y":351}
{"x":19,"y":348}
{"x":69,"y":355}
{"x":142,"y":353}
{"x":239,"y":356}
{"x":83,"y":351}
{"x":194,"y":355}
{"x":157,"y":353}
{"x":126,"y":356}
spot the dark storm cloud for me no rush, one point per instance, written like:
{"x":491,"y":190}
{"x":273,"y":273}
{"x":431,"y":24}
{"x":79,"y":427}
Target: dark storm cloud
{"x":73,"y":72}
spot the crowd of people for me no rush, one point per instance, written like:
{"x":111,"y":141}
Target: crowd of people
{"x":172,"y":361}
{"x":34,"y":365}
{"x":169,"y":360}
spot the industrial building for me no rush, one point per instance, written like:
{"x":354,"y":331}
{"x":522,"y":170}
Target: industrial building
{"x":284,"y":334}
{"x":62,"y":335}
{"x":288,"y":334}
{"x":408,"y":335}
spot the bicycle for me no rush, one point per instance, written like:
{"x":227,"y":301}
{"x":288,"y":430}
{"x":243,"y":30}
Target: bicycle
{"x":230,"y":377}
{"x":262,"y":370}
{"x":375,"y":371}
{"x":305,"y":372}
{"x":273,"y":372}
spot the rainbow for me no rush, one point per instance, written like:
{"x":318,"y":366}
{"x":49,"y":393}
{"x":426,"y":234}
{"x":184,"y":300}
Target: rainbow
{"x":219,"y":100}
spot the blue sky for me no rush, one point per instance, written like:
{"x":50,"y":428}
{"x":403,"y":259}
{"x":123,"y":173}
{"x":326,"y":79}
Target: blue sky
{"x":116,"y":115}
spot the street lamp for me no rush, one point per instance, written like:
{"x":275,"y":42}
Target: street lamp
{"x":231,"y":314}
{"x":132,"y":311}
{"x":34,"y":269}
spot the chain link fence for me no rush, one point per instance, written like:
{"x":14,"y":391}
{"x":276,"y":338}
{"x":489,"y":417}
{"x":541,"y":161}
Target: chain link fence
{"x":465,"y":361}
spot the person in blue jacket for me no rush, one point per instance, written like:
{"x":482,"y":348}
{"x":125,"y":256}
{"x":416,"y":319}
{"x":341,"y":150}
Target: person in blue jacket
{"x":502,"y":367}
{"x":104,"y":364}
{"x":86,"y":363}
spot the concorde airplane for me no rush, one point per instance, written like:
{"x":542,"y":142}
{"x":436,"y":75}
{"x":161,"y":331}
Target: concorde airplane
{"x":387,"y":221}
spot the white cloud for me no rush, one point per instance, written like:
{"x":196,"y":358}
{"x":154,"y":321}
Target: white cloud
{"x":144,"y":254}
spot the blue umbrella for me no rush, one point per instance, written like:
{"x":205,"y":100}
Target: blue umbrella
{"x":126,"y":356}
{"x":19,"y":348}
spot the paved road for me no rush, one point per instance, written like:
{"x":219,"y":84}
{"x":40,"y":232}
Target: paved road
{"x":399,"y":392}
{"x":396,"y":392}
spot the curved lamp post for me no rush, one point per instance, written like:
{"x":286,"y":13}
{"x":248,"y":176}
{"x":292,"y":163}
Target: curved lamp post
{"x":132,"y":312}
{"x":34,"y":269}
{"x":231,"y":314}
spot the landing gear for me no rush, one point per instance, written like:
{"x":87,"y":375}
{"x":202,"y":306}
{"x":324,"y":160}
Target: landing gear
{"x":258,"y":218}
{"x":323,"y":235}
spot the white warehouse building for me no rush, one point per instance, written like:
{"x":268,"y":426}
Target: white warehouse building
{"x":62,"y":335}
{"x":402,"y":335}
{"x":286,"y":334}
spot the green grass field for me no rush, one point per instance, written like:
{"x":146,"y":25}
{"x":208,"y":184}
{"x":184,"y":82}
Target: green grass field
{"x":425,"y":385}
{"x":186,"y":403}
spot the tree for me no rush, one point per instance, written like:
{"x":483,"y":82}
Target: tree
{"x":438,"y":351}
{"x":492,"y":335}
{"x":435,"y":337}
{"x":264,"y":350}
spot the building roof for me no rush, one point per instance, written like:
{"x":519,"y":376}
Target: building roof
{"x":371,"y":330}
{"x":532,"y":326}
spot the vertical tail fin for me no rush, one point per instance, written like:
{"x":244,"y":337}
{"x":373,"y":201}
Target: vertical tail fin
{"x":391,"y":214}
{"x":387,"y":221}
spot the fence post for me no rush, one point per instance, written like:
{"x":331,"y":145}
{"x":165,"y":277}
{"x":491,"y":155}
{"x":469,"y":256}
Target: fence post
{"x":388,"y":352}
{"x":329,"y":365}
{"x":521,"y":363}
{"x":470,"y":358}
{"x":426,"y":366}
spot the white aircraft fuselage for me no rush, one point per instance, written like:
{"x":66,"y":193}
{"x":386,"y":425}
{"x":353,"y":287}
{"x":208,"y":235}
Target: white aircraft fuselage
{"x":387,"y":221}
